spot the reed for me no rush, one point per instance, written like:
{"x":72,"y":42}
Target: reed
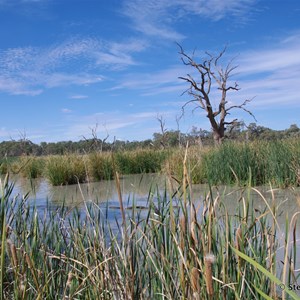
{"x":29,"y":166}
{"x":276,"y":163}
{"x":140,"y":161}
{"x":66,"y":169}
{"x":198,"y":251}
{"x":100,"y":166}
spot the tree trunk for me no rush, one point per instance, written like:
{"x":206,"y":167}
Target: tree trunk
{"x":218,"y":138}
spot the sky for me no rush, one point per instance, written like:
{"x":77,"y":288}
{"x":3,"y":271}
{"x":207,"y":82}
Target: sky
{"x":71,"y":67}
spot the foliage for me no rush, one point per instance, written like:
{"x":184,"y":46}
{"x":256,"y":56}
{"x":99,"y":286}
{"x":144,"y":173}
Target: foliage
{"x":196,"y":136}
{"x":66,"y":169}
{"x":101,"y":166}
{"x":140,"y":161}
{"x":276,"y":162}
{"x":165,"y":252}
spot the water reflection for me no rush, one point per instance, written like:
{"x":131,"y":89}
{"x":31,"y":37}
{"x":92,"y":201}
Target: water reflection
{"x":137,"y":187}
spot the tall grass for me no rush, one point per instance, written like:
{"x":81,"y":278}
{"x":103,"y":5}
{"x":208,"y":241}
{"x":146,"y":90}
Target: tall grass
{"x":30,"y":166}
{"x":276,"y":162}
{"x":74,"y":168}
{"x":66,"y":169}
{"x":140,"y":161}
{"x":199,"y":251}
{"x":101,"y":166}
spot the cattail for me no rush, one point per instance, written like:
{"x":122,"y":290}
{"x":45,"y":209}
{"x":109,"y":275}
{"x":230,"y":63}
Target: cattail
{"x":195,"y":281}
{"x":70,"y":277}
{"x":209,"y":259}
{"x":28,"y":260}
{"x":182,"y":224}
{"x":238,"y":238}
{"x":194,"y":232}
{"x":13,"y":252}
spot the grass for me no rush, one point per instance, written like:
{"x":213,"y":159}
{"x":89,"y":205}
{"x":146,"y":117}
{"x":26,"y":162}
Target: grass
{"x":199,"y":251}
{"x":74,"y":168}
{"x":264,"y":162}
{"x":101,"y":166}
{"x":276,"y":162}
{"x":140,"y":161}
{"x":66,"y":169}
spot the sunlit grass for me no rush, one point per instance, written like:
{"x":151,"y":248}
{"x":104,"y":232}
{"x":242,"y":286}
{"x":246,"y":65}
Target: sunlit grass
{"x":194,"y":250}
{"x":276,"y":162}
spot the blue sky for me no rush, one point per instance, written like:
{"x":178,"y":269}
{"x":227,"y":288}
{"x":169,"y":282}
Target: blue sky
{"x":67,"y":65}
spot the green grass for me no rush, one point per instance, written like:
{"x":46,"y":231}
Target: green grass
{"x":166,"y":253}
{"x":277,"y":163}
{"x":140,"y":161}
{"x":264,"y":162}
{"x":101,"y":166}
{"x":66,"y":169}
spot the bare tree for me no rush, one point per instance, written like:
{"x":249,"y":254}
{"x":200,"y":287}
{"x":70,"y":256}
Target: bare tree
{"x":178,"y":118}
{"x":95,"y":141}
{"x":212,"y":74}
{"x":163,"y":130}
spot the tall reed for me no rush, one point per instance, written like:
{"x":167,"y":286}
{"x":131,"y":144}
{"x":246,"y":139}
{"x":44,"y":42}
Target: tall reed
{"x":66,"y":169}
{"x":174,"y":250}
{"x":276,"y":162}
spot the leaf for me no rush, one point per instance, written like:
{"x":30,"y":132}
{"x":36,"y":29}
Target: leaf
{"x":265,"y":272}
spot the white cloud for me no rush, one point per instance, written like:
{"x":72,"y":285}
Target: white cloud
{"x":164,"y":81}
{"x":271,"y":75}
{"x":78,"y":97}
{"x":156,"y":17}
{"x":30,"y":70}
{"x":66,"y":110}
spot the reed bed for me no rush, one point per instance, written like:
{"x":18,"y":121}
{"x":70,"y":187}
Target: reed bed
{"x":74,"y":168}
{"x":140,"y":161}
{"x":264,"y":162}
{"x":196,"y":251}
{"x":66,"y":169}
{"x":276,"y":162}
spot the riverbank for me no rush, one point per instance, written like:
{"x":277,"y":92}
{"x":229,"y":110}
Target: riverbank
{"x":256,"y":163}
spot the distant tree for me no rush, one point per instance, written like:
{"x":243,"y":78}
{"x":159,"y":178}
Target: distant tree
{"x":212,"y":75}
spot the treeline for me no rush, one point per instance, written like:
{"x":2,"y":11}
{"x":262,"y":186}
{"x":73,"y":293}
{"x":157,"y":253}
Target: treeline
{"x":165,"y":139}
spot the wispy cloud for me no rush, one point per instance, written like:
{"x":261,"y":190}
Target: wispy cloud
{"x":272,"y":75}
{"x":122,"y":125}
{"x":78,"y":97}
{"x":157,"y":17}
{"x":66,"y":110}
{"x":164,"y":81}
{"x":30,"y":70}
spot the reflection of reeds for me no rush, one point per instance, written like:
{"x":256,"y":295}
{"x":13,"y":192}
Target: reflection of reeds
{"x":160,"y":253}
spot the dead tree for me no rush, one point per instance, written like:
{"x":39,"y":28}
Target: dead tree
{"x":210,"y":75}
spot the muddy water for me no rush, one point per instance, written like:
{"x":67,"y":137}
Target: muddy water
{"x":136,"y":188}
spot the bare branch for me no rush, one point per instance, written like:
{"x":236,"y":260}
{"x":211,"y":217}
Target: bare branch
{"x":211,"y":71}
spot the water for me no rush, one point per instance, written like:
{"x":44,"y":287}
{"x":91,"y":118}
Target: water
{"x":136,"y":188}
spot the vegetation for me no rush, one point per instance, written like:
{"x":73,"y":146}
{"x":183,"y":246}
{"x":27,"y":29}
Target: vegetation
{"x":276,"y":162}
{"x":170,"y":139}
{"x":164,"y":252}
{"x":264,"y":162}
{"x":140,"y":161}
{"x":66,"y":169}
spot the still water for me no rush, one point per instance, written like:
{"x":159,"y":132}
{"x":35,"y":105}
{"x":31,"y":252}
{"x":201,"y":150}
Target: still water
{"x":136,"y":188}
